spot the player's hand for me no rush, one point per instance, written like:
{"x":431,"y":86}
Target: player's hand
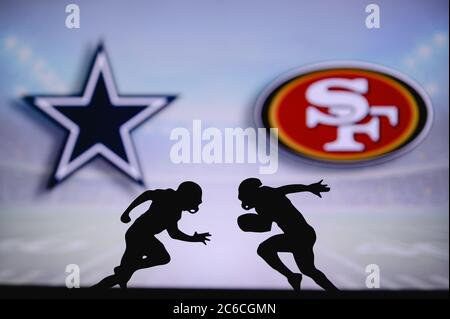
{"x":318,"y":188}
{"x":202,"y":237}
{"x":125,"y":218}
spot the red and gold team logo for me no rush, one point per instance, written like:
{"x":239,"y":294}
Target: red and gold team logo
{"x":346,"y":112}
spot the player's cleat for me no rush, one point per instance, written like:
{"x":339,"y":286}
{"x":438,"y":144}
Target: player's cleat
{"x":295,"y":281}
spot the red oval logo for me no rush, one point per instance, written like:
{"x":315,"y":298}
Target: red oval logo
{"x":346,"y":112}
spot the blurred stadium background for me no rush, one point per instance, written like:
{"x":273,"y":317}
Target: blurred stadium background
{"x":217,"y":56}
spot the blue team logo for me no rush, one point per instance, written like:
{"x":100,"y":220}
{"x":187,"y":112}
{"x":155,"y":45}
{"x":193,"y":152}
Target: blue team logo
{"x":98,"y":122}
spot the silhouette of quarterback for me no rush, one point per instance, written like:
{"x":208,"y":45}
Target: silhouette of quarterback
{"x":272,"y":205}
{"x":143,"y":250}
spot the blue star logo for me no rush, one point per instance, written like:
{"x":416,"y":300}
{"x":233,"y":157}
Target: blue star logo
{"x":99,"y":122}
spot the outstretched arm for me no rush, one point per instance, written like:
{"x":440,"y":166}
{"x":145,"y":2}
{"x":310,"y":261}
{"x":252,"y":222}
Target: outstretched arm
{"x":176,"y":233}
{"x":315,"y":188}
{"x":145,"y":196}
{"x":294,"y":188}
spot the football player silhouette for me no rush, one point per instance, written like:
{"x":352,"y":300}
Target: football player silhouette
{"x":143,"y":249}
{"x":272,"y":205}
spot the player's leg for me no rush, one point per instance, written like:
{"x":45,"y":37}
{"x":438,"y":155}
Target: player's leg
{"x":304,"y":258}
{"x":139,"y":255}
{"x":107,"y":282}
{"x":122,"y":273}
{"x":128,"y":264}
{"x":154,"y":254}
{"x":268,"y":250}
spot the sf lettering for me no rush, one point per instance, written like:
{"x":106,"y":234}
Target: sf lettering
{"x":347,"y":107}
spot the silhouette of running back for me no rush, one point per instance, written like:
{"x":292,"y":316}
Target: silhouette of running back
{"x":272,"y":205}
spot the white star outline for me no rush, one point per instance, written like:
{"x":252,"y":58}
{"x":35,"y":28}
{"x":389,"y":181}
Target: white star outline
{"x":101,"y":66}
